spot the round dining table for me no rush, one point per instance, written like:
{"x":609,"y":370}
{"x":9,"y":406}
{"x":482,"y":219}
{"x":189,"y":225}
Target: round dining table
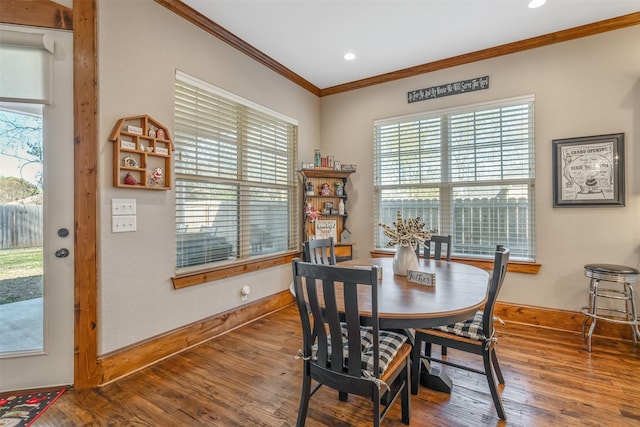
{"x":458,"y":292}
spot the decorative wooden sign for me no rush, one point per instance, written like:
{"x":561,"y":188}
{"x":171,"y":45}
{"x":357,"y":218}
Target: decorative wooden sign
{"x":421,"y":277}
{"x":464,"y":86}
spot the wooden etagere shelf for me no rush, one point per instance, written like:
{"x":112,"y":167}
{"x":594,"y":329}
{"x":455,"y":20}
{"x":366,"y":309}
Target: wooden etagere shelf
{"x":142,"y":153}
{"x":315,"y":206}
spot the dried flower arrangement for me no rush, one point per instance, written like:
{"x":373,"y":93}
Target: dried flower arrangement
{"x":408,"y":232}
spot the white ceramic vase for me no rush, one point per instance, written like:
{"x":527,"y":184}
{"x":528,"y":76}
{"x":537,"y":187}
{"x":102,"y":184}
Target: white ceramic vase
{"x":404,"y":259}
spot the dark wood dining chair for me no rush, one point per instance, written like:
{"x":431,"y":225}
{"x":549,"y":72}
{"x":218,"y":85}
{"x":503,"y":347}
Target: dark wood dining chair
{"x":475,"y":335}
{"x":436,"y":244}
{"x":320,"y":251}
{"x":344,"y":355}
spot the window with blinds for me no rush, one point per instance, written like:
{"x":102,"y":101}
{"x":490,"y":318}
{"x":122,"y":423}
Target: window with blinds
{"x":236,"y":186}
{"x":467,"y":172}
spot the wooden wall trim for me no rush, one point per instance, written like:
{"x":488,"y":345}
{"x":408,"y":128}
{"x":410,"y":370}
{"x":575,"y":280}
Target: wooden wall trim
{"x":227,"y":271}
{"x":138,"y":356}
{"x":557,"y":319}
{"x":220,"y":32}
{"x":505,"y":49}
{"x":514,"y":266}
{"x":36,"y":13}
{"x":85,"y":72}
{"x":135,"y":357}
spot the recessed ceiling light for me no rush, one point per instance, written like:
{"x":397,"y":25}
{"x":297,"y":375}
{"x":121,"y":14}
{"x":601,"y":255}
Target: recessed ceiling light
{"x":536,"y":3}
{"x":349,"y":56}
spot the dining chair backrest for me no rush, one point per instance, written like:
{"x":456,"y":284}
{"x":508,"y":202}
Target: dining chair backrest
{"x":500,"y":262}
{"x":325,"y":286}
{"x":320,"y":251}
{"x":436,"y":244}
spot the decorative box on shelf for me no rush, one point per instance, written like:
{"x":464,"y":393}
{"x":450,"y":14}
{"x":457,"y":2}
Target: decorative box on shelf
{"x":142,"y":156}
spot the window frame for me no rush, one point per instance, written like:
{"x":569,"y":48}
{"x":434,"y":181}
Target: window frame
{"x":446,"y":185}
{"x":243,"y":259}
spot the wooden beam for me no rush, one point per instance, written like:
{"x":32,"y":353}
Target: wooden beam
{"x":85,"y":72}
{"x":36,"y":13}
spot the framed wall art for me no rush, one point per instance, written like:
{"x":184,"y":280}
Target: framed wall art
{"x":588,"y":171}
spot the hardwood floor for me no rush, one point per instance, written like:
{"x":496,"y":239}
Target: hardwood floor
{"x":249,"y":377}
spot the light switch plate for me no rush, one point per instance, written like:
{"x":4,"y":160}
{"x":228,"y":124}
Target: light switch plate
{"x":123,"y":223}
{"x":123,"y":206}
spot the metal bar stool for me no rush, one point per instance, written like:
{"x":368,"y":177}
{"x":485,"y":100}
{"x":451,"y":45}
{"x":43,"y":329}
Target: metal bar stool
{"x":614,"y":274}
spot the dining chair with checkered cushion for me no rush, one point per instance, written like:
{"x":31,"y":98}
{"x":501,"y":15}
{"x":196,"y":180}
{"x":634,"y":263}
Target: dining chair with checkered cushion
{"x":373,"y":363}
{"x":475,"y":335}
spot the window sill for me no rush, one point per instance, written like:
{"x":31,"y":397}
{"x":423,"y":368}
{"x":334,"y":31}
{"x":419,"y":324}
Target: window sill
{"x":230,"y":270}
{"x":513,"y":266}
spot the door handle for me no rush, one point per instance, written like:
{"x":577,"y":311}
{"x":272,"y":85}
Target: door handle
{"x":62,"y":253}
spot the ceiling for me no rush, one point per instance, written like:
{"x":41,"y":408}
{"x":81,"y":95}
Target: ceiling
{"x":310,"y":37}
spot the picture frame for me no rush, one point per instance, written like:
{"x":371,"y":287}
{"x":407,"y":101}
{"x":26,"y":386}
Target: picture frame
{"x":588,"y":171}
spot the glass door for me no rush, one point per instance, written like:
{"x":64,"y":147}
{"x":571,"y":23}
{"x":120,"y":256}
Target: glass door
{"x":36,"y":229}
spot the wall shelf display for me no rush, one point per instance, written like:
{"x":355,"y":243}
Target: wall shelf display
{"x":325,"y":202}
{"x":142,"y":150}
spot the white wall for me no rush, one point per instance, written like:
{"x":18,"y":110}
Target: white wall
{"x":140,"y":45}
{"x":583,"y":87}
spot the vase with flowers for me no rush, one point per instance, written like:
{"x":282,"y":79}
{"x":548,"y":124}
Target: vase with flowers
{"x":406,"y":236}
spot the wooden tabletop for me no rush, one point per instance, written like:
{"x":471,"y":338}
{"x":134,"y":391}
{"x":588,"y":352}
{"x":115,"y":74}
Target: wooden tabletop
{"x":460,"y":290}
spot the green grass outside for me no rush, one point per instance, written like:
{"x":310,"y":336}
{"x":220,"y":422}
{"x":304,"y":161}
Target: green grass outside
{"x":21,"y":262}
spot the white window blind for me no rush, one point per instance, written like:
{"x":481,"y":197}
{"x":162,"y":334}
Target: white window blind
{"x":26,"y":67}
{"x":236,"y":184}
{"x":467,"y":172}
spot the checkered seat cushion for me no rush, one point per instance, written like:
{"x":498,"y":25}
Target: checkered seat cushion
{"x":390,"y":343}
{"x":470,"y":328}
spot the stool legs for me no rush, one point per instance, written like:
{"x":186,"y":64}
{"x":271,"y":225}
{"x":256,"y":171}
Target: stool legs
{"x":632,"y":315}
{"x":591,"y":311}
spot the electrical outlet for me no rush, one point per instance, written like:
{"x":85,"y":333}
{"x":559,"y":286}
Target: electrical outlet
{"x":123,"y":206}
{"x":123,"y":223}
{"x":244,"y":293}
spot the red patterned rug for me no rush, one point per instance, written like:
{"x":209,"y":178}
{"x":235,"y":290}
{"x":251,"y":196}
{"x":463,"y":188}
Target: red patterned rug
{"x":22,"y":409}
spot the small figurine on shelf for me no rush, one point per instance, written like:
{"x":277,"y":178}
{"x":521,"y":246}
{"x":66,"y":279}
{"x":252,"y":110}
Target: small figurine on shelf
{"x":130,"y":180}
{"x":309,"y":189}
{"x":310,"y":212}
{"x":339,"y":189}
{"x":325,"y":190}
{"x":156,"y":177}
{"x":130,"y":162}
{"x":152,"y":132}
{"x":160,"y":134}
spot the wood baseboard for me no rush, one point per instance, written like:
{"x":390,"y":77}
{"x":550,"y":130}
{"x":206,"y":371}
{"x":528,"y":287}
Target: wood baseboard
{"x":558,"y":319}
{"x":135,"y":357}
